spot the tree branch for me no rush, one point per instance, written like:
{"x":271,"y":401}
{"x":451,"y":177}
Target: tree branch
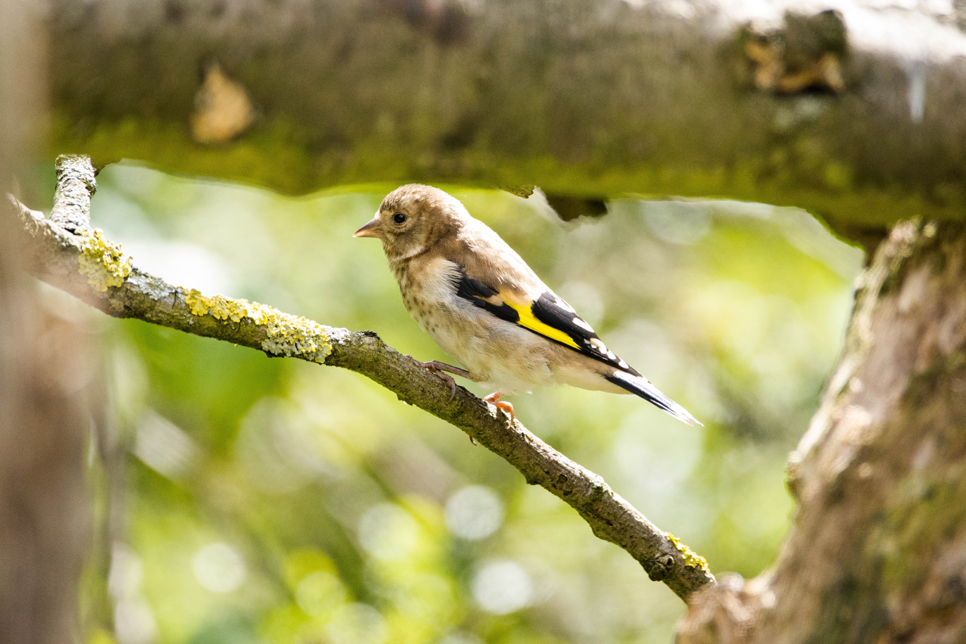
{"x":83,"y":263}
{"x":583,"y":99}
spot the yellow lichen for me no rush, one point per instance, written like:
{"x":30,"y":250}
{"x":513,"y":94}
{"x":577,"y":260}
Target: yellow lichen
{"x":198,"y":303}
{"x":288,"y":335}
{"x":291,"y":335}
{"x":691,"y":559}
{"x":103,"y":262}
{"x":226,"y":308}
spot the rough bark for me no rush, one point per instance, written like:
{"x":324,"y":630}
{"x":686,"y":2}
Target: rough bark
{"x":878,"y":549}
{"x":588,"y":99}
{"x":42,"y":376}
{"x":80,"y":261}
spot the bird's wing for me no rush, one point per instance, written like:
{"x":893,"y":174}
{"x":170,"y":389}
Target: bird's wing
{"x":546,"y":315}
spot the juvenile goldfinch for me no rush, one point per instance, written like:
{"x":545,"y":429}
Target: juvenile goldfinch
{"x":484,"y":306}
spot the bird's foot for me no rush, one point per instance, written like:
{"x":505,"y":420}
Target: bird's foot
{"x":507,"y":408}
{"x":440,"y":369}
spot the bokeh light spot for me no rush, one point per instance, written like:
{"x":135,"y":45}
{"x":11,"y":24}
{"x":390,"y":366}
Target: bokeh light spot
{"x":164,"y":446}
{"x":502,"y":587}
{"x":319,"y":592}
{"x":387,"y":531}
{"x":134,"y":622}
{"x":474,"y":512}
{"x":219,"y":568}
{"x":677,"y":222}
{"x":356,"y":624}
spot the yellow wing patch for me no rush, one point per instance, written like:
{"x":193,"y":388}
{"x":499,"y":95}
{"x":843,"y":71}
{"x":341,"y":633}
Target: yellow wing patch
{"x":528,"y":320}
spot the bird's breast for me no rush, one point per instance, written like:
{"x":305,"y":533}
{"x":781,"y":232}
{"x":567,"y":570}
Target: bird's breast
{"x":428,"y":291}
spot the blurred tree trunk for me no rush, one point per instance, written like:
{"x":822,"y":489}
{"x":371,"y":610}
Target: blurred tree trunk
{"x":42,"y":427}
{"x":878,"y":548}
{"x":590,"y":99}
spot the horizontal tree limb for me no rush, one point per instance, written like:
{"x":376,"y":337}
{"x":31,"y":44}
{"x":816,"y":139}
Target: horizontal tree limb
{"x":591,"y":99}
{"x":85,"y":264}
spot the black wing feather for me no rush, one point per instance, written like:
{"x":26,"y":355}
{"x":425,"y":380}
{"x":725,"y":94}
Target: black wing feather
{"x":546,"y":310}
{"x":477,"y":293}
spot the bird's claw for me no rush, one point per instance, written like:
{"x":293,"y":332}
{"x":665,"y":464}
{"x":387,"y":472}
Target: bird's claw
{"x":507,"y":409}
{"x":502,"y":405}
{"x":433,"y":367}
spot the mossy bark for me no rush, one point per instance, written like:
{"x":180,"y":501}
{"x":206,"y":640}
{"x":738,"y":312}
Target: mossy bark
{"x":586,"y":99}
{"x":878,"y":548}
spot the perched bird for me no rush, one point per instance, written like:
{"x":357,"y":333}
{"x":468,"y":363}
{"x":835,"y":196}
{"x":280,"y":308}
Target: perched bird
{"x":484,"y":306}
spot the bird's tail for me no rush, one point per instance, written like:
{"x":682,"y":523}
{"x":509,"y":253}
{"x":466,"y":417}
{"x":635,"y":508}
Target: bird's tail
{"x":639,"y":386}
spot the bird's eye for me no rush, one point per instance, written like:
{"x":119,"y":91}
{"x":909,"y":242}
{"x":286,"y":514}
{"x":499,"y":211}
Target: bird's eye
{"x":399,"y":218}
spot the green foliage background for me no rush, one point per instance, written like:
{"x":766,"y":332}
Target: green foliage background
{"x":244,"y":499}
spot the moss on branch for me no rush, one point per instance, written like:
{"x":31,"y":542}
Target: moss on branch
{"x":600,"y":99}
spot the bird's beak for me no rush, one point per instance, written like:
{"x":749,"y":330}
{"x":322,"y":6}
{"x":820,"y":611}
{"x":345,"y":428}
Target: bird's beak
{"x":372,"y":229}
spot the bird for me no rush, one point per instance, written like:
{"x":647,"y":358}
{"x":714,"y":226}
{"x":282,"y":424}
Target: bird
{"x":483,"y":305}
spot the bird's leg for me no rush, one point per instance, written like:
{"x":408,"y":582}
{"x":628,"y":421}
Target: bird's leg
{"x":507,"y":408}
{"x":440,"y":369}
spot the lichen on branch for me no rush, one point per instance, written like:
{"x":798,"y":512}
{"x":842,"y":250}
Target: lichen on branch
{"x":290,"y":336}
{"x":102,"y":261}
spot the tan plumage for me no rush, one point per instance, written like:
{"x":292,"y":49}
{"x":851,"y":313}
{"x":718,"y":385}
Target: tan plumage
{"x":484,"y":306}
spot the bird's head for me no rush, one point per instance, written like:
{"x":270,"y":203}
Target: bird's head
{"x":413,"y":218}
